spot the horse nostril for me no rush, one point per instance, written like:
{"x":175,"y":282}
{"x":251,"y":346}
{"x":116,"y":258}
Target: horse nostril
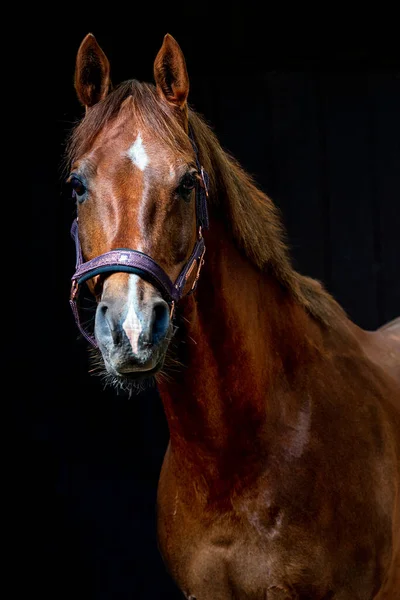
{"x":105,"y":323}
{"x":160,"y":322}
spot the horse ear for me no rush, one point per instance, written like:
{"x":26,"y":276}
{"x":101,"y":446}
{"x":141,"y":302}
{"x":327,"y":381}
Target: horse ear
{"x":92,"y":72}
{"x":170,"y":73}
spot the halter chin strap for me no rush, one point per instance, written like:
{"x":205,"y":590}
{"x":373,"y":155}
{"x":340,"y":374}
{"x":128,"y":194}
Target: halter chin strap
{"x":132,"y":261}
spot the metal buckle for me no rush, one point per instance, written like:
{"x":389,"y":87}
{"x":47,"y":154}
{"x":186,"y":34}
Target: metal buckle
{"x":203,"y":181}
{"x":201,"y":263}
{"x":74,"y":289}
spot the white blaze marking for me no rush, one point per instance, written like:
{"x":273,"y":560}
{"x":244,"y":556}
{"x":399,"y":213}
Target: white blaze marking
{"x":139,"y":311}
{"x":132,"y":324}
{"x":137,"y":154}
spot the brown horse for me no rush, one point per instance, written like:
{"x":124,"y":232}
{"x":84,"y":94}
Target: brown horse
{"x":282,"y":476}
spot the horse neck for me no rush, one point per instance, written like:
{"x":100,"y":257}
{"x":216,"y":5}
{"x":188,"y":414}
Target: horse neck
{"x":239,"y":344}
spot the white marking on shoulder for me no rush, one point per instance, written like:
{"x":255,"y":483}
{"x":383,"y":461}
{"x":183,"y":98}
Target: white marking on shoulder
{"x":137,"y":154}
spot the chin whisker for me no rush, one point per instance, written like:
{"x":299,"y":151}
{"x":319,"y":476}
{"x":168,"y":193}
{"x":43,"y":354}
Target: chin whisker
{"x":126,"y":386}
{"x":163,"y":377}
{"x":122,"y":385}
{"x":184,"y":318}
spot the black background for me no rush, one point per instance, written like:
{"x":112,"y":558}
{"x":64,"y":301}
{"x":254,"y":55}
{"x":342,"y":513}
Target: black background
{"x":309,"y":104}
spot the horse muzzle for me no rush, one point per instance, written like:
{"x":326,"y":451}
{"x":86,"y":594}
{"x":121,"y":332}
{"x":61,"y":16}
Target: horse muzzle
{"x":132,"y":326}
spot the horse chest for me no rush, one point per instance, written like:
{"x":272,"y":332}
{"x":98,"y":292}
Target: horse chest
{"x":266,"y":546}
{"x":208,"y":566}
{"x":222,"y":561}
{"x":250,"y":555}
{"x":242,"y":571}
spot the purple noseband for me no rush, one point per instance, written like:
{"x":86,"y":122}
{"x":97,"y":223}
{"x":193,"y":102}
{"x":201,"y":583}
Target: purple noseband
{"x":132,"y":261}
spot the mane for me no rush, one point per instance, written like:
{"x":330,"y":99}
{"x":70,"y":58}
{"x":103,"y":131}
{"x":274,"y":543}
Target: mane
{"x":254,"y":220}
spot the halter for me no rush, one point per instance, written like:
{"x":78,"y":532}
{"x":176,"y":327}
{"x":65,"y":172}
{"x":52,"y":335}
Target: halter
{"x":133,"y":261}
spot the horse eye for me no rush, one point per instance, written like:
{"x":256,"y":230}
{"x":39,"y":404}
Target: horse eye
{"x":187,"y":184}
{"x":77,"y":186}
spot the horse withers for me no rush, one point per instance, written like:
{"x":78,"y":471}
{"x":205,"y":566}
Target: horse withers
{"x":281,"y":479}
